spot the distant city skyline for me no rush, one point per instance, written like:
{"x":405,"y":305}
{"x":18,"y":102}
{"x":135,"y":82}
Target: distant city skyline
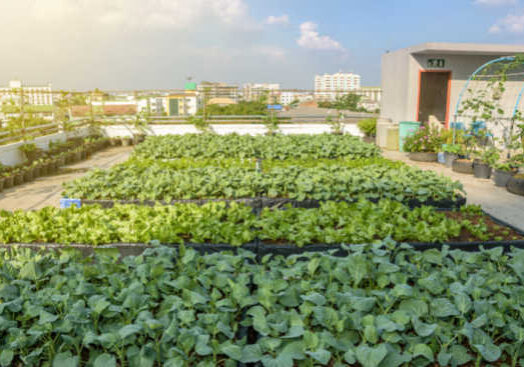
{"x":137,"y":44}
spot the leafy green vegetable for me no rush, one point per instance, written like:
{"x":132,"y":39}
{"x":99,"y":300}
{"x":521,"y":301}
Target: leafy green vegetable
{"x":237,"y":224}
{"x":247,"y":146}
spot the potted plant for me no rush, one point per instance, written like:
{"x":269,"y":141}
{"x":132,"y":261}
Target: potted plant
{"x":115,"y":141}
{"x":451,"y":152}
{"x":516,"y":184}
{"x":485,"y":160}
{"x":18,"y":176}
{"x":423,"y":145}
{"x":30,"y":151}
{"x":8,"y":180}
{"x":127,"y":141}
{"x":369,"y":128}
{"x":503,"y":172}
{"x":464,"y":164}
{"x":28,"y":174}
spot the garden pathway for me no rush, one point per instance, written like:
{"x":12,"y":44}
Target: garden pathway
{"x":47,"y":191}
{"x":497,"y":201}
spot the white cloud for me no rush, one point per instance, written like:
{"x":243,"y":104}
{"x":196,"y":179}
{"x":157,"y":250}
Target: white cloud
{"x":272,"y":19}
{"x":156,"y":14}
{"x":310,"y":38}
{"x":495,"y":2}
{"x":510,"y":24}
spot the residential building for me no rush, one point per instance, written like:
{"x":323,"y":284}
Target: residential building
{"x":153,"y":105}
{"x":288,"y":97}
{"x":182,"y":104}
{"x":257,"y":91}
{"x":330,"y":86}
{"x":35,"y":95}
{"x":370,"y":97}
{"x":209,"y":90}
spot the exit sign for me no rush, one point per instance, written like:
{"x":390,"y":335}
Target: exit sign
{"x":436,"y":63}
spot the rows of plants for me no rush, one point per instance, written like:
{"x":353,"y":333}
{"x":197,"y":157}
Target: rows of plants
{"x":252,"y":163}
{"x":324,"y":182}
{"x":42,"y":163}
{"x":246,"y":146}
{"x":237,"y":225}
{"x":381,"y":306}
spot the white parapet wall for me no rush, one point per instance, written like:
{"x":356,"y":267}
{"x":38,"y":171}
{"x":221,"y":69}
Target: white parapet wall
{"x":10,"y":154}
{"x":223,"y":129}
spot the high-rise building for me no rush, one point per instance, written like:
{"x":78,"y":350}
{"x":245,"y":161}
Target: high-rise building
{"x":330,"y":86}
{"x":257,"y":91}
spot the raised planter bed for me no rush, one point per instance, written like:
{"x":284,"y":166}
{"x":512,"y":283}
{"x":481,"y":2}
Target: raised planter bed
{"x":262,"y":248}
{"x":259,"y":203}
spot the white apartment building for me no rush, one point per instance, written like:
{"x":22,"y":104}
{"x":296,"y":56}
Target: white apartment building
{"x":255,"y":91}
{"x":36,"y":95}
{"x":329,"y":86}
{"x":152,"y":105}
{"x":286,"y":98}
{"x":209,"y":90}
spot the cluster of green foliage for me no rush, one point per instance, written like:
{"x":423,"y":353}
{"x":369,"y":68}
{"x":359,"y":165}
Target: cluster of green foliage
{"x":382,"y":305}
{"x":247,"y":146}
{"x":241,"y":108}
{"x":160,"y":309}
{"x":348,"y":102}
{"x":425,"y":139}
{"x":267,"y":164}
{"x":390,"y":306}
{"x":330,"y":182}
{"x":237,"y":224}
{"x":368,"y":126}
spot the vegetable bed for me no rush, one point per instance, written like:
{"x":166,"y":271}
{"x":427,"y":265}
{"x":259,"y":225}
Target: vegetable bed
{"x":247,"y":146}
{"x":373,"y":182}
{"x":236,"y":225}
{"x":384,"y":305}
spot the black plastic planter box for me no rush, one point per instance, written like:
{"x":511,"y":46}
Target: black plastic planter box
{"x":263,"y":202}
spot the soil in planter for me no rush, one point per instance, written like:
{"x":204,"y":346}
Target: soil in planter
{"x":495,"y":231}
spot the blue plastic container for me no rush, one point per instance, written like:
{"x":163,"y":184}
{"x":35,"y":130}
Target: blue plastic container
{"x":68,"y":203}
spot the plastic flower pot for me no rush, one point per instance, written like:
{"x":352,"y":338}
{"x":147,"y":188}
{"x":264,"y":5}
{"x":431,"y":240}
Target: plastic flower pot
{"x":516,"y":185}
{"x":423,"y":156}
{"x":28,"y":175}
{"x":127,"y":141}
{"x":37,"y":172}
{"x":441,"y":157}
{"x":462,"y":166}
{"x":449,"y":158}
{"x":115,"y":142}
{"x":9,"y":182}
{"x":1,"y":184}
{"x":18,"y":179}
{"x":482,"y":170}
{"x":501,"y":178}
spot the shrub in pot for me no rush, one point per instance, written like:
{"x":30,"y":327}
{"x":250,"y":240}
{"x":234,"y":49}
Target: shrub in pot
{"x":462,"y":166}
{"x":516,"y":184}
{"x":30,"y":151}
{"x":423,"y":145}
{"x":451,"y":152}
{"x":18,"y":177}
{"x":28,"y":174}
{"x":127,"y":141}
{"x":369,"y":129}
{"x":485,"y":159}
{"x":8,"y":180}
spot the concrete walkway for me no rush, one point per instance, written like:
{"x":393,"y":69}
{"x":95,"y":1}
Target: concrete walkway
{"x":497,"y":201}
{"x":47,"y":191}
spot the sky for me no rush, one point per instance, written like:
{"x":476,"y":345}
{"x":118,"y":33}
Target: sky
{"x":147,"y":44}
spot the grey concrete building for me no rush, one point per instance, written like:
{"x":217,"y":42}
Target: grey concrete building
{"x":426,"y":80}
